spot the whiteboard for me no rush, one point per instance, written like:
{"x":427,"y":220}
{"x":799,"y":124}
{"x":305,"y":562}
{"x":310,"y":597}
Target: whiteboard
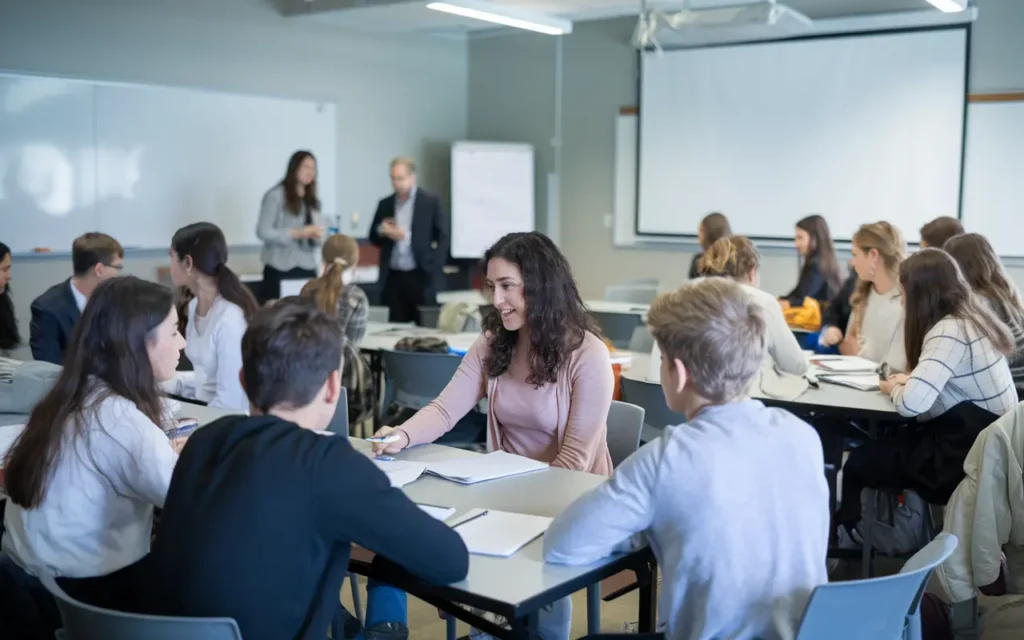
{"x":139,"y":162}
{"x":492,"y":194}
{"x":993,"y":183}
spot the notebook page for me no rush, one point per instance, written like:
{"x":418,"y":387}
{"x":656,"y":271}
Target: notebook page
{"x":437,"y":513}
{"x":498,"y":464}
{"x":400,"y":472}
{"x":862,"y":381}
{"x":500,"y":533}
{"x":846,"y":364}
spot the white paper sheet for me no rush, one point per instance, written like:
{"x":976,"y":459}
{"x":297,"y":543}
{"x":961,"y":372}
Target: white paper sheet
{"x":499,"y":533}
{"x":498,"y":464}
{"x":437,"y":513}
{"x":8,"y":435}
{"x":400,"y":472}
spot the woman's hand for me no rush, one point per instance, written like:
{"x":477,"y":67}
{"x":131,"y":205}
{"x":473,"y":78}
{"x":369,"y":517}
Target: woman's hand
{"x":784,"y":304}
{"x":831,"y":337}
{"x":849,"y":346}
{"x":178,"y":444}
{"x":390,"y":447}
{"x":886,"y":386}
{"x":314,"y":232}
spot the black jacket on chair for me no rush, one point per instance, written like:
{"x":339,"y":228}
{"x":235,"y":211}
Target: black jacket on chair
{"x":54,"y":315}
{"x":430,"y":234}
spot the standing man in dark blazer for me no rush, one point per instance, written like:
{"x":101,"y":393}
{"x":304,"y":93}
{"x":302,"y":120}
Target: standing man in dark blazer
{"x":411,"y":229}
{"x":95,"y":257}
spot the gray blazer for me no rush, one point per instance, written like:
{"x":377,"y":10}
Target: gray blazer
{"x":280,"y":250}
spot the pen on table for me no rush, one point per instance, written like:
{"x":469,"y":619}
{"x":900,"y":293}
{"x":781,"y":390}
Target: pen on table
{"x":470,"y":519}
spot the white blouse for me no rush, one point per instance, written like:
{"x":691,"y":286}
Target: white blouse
{"x":97,"y":514}
{"x":213,"y":343}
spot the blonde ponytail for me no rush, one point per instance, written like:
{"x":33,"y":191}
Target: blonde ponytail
{"x":733,"y":257}
{"x":339,"y":253}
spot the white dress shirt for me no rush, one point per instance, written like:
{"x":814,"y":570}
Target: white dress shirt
{"x":97,"y":514}
{"x":80,"y":298}
{"x":213,"y":343}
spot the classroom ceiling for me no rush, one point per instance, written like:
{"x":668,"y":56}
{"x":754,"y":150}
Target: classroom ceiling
{"x":408,"y":16}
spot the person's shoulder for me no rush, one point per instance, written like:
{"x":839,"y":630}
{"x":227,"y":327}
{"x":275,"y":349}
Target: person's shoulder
{"x":950,"y":326}
{"x":592,"y":352}
{"x":274,"y":193}
{"x":355,"y":295}
{"x":226,"y":310}
{"x":115,"y":413}
{"x":52,"y":298}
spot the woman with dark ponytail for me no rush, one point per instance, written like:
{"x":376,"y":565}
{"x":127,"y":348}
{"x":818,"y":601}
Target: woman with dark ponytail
{"x":218,"y":316}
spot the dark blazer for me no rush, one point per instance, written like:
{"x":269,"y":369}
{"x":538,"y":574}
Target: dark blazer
{"x":812,"y":284}
{"x":54,"y":315}
{"x":258,"y":523}
{"x":430,"y":234}
{"x":840,"y":309}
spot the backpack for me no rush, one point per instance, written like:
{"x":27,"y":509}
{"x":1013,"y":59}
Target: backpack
{"x":422,"y":344}
{"x":358,"y":382}
{"x":895,"y":524}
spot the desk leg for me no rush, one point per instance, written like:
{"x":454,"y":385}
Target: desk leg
{"x":525,"y":628}
{"x":594,"y":609}
{"x":648,"y":579}
{"x":377,"y":375}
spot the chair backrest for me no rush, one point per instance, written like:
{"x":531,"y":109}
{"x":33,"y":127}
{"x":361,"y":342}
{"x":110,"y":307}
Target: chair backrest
{"x":874,"y":608}
{"x":651,"y":398}
{"x":86,"y":622}
{"x":642,"y":340}
{"x":418,"y":378}
{"x":617,"y":327}
{"x":625,"y":422}
{"x":632,"y":295}
{"x":429,"y":316}
{"x":640,"y":282}
{"x":377,"y":314}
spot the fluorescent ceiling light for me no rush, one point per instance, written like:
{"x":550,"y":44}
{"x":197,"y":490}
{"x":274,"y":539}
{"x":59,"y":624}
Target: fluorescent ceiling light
{"x":949,"y":6}
{"x":492,"y":12}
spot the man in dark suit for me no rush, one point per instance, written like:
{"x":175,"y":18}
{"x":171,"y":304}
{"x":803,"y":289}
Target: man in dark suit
{"x":411,"y":229}
{"x":95,"y":257}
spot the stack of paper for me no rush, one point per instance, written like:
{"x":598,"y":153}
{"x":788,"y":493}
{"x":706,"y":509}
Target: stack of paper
{"x":400,"y":472}
{"x":861,"y":381}
{"x":492,"y":466}
{"x":436,"y":512}
{"x":499,"y":533}
{"x":8,"y":435}
{"x":845,"y":364}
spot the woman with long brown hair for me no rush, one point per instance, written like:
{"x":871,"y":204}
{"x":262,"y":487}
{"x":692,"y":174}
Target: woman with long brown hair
{"x":958,"y":383}
{"x":713,"y":227}
{"x":737,"y":258}
{"x":93,"y":460}
{"x":875,"y":329}
{"x":820,"y":275}
{"x":290,"y":226}
{"x":335,"y":293}
{"x":985,"y":274}
{"x":217,"y":316}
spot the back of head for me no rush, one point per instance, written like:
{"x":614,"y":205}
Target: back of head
{"x":205,"y":244}
{"x":109,"y":345}
{"x":822,"y":250}
{"x":732,"y":257}
{"x":288,"y":351}
{"x":556,"y":317}
{"x":716,"y":331}
{"x":936,"y":233}
{"x":714,"y":227}
{"x":934,"y":288}
{"x":985,"y":275}
{"x":340,"y":253}
{"x":91,"y":249}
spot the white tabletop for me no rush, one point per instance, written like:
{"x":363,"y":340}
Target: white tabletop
{"x":826,"y":396}
{"x":383,"y":336}
{"x":474,"y":297}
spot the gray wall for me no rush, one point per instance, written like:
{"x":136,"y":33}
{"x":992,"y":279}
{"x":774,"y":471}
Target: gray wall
{"x":600,"y":76}
{"x":394,"y":95}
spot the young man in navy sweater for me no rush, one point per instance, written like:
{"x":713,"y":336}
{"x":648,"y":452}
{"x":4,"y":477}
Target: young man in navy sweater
{"x":262,"y":510}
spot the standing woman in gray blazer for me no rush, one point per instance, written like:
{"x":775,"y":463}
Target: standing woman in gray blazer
{"x":291,"y":227}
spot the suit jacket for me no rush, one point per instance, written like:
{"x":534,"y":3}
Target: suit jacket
{"x":430,"y":231}
{"x":54,"y":315}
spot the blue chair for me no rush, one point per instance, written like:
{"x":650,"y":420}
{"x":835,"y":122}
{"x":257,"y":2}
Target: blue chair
{"x":429,"y":316}
{"x":86,"y":622}
{"x":886,"y":607}
{"x":625,"y":423}
{"x":417,"y":378}
{"x":650,"y":397}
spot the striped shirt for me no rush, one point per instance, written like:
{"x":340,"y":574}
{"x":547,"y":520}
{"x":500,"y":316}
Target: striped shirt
{"x":957,"y":364}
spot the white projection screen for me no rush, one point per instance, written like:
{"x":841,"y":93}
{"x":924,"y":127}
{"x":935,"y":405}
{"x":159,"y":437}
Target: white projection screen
{"x":855,"y":128}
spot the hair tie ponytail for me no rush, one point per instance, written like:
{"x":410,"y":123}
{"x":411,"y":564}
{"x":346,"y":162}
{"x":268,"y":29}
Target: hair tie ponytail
{"x":342,"y":262}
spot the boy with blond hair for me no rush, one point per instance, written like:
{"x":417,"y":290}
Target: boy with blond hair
{"x":734,"y":503}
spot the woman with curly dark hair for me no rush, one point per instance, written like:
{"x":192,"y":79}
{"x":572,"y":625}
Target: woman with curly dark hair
{"x":539,"y":362}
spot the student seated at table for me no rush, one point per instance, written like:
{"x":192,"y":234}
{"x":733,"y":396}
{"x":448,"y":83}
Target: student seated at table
{"x":217,"y":316}
{"x":93,"y":461}
{"x":987,"y":278}
{"x":737,"y":258}
{"x":262,"y":510}
{"x":713,"y":228}
{"x":838,"y":314}
{"x":959,"y":383}
{"x":820,"y":275}
{"x":936,"y":233}
{"x":734,"y":503}
{"x":95,"y":257}
{"x":875,"y":330}
{"x":334,"y":292}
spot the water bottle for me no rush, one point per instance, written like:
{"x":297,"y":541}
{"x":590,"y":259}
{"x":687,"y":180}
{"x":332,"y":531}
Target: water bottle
{"x":334,"y":225}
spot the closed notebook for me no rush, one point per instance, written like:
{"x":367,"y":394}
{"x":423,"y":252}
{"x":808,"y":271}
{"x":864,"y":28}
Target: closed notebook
{"x":846,"y":364}
{"x":498,"y":464}
{"x":861,"y":381}
{"x":499,"y":533}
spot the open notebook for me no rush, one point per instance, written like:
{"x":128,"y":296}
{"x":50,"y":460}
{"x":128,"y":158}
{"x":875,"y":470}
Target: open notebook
{"x":861,"y":381}
{"x":845,"y":364}
{"x":400,"y":472}
{"x":498,"y":464}
{"x":499,"y":533}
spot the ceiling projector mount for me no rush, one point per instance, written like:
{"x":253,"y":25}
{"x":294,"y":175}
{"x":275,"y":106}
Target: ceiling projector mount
{"x":754,"y":13}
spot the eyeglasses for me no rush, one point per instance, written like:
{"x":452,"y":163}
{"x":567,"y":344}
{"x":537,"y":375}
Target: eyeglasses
{"x":118,"y":267}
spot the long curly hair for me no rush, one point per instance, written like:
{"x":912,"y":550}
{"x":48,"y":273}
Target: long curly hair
{"x":556,"y":317}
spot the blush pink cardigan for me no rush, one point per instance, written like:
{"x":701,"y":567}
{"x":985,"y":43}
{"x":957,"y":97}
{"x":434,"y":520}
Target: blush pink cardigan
{"x":562,"y":423}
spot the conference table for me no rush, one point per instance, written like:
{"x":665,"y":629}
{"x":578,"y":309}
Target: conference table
{"x":475,"y":298}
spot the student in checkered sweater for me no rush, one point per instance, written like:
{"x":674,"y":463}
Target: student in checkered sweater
{"x":959,"y":382}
